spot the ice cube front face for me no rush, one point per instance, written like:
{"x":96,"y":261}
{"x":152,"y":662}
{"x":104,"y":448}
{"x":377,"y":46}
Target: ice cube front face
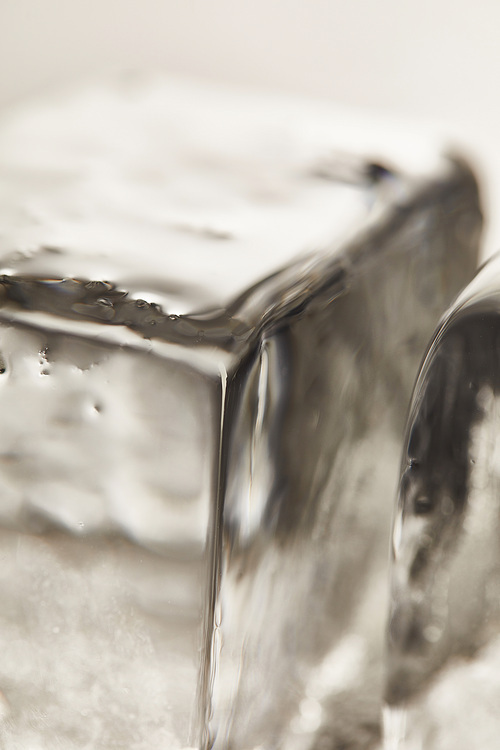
{"x":107,"y":457}
{"x":208,"y":336}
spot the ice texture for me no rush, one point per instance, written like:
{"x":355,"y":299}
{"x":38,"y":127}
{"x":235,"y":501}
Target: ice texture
{"x":213,"y":306}
{"x":444,"y":635}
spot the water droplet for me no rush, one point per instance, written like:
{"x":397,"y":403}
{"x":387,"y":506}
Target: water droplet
{"x":141,"y":303}
{"x":44,"y":361}
{"x":104,"y":285}
{"x":105,"y":301}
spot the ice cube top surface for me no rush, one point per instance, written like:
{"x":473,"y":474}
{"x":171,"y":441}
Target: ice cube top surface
{"x":183,"y":194}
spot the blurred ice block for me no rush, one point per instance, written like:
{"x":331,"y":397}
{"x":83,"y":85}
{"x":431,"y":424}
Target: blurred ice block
{"x":444,"y":647}
{"x":213,"y":307}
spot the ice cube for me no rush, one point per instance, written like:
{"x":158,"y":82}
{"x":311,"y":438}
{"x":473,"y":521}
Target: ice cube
{"x":445,"y":620}
{"x":213,"y":307}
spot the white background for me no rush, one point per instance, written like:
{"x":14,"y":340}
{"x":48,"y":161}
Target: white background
{"x":431,"y":60}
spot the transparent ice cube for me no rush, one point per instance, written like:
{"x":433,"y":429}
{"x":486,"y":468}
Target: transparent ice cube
{"x":445,"y":620}
{"x":213,"y":307}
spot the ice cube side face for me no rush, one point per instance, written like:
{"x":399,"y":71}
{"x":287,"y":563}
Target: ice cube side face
{"x":107,"y":477}
{"x":313,"y":450}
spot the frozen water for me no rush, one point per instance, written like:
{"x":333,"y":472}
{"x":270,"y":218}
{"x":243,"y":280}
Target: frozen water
{"x":209,"y":330}
{"x":445,"y":623}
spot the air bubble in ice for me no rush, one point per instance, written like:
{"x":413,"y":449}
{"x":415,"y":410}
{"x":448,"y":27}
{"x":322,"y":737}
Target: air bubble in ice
{"x":422,"y":505}
{"x":433,"y":633}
